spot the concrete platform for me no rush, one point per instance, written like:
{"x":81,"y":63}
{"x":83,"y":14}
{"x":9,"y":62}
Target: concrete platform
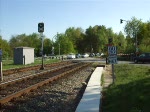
{"x":90,"y":101}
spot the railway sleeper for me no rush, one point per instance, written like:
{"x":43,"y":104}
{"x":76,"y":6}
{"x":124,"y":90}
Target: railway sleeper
{"x":35,"y":86}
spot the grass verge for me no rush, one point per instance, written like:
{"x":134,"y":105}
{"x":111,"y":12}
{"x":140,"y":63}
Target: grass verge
{"x":131,"y":91}
{"x":8,"y":64}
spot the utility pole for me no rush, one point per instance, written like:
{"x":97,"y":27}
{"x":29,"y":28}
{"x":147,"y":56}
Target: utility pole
{"x":59,"y":49}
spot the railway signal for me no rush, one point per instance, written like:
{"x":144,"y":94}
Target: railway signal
{"x":41,"y":27}
{"x":121,"y":21}
{"x":41,"y":30}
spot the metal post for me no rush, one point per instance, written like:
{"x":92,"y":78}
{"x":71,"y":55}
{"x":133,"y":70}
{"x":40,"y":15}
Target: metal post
{"x":106,"y":60}
{"x":42,"y":66}
{"x":59,"y":49}
{"x":113,"y":74}
{"x":1,"y":73}
{"x":52,"y":50}
{"x":136,"y":48}
{"x":53,"y":45}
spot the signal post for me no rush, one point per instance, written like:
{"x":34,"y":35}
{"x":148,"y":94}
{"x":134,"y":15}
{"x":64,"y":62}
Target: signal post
{"x":41,"y":30}
{"x":112,"y":56}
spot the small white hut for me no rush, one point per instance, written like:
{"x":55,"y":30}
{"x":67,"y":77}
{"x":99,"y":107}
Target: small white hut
{"x":23,"y":55}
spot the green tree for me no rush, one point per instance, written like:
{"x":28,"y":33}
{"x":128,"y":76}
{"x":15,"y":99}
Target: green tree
{"x":4,"y":46}
{"x":138,"y":33}
{"x":65,"y":44}
{"x":47,"y":46}
{"x":75,"y":35}
{"x":17,"y":41}
{"x":132,"y":29}
{"x":144,"y":37}
{"x":120,"y":42}
{"x":93,"y":39}
{"x":33,"y":40}
{"x":97,"y":38}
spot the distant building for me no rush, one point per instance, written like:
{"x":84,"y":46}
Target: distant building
{"x":23,"y":55}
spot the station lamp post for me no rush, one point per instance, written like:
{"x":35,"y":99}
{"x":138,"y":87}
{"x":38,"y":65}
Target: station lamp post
{"x":52,"y":47}
{"x":53,"y":44}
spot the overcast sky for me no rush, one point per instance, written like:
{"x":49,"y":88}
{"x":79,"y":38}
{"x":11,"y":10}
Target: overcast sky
{"x":22,"y":16}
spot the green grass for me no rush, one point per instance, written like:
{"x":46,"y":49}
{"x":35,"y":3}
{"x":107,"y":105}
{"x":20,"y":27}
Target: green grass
{"x":102,"y":79}
{"x":131,"y":91}
{"x":9,"y":64}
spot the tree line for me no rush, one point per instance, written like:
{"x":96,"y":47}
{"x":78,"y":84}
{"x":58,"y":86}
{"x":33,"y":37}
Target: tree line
{"x":93,"y":40}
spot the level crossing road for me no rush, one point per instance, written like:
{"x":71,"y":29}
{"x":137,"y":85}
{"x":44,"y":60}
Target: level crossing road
{"x":103,"y":60}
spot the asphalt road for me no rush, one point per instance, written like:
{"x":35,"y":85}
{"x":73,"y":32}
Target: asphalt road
{"x":89,"y":59}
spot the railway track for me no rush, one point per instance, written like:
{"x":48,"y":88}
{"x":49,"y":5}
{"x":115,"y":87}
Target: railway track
{"x":29,"y":68}
{"x":32,"y":73}
{"x":18,"y":88}
{"x":25,"y":72}
{"x":41,"y":74}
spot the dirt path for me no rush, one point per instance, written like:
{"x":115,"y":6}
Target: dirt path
{"x":107,"y":76}
{"x":107,"y":81}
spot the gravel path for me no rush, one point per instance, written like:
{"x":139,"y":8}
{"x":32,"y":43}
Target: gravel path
{"x":59,"y":96}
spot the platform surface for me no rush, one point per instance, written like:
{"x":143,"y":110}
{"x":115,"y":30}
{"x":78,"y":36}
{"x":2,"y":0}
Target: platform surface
{"x":90,"y":101}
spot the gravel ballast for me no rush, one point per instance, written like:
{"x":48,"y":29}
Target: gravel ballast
{"x":60,"y":96}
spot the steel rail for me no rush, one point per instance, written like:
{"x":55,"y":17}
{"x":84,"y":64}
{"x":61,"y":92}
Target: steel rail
{"x":2,"y":85}
{"x":35,"y":86}
{"x":16,"y":70}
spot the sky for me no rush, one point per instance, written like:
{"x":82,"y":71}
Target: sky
{"x":22,"y":16}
